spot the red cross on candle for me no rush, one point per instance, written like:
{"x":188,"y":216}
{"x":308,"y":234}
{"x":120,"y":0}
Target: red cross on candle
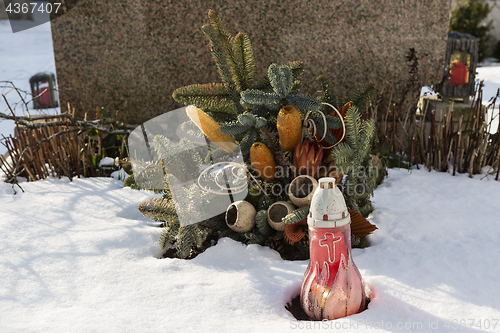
{"x":329,"y":241}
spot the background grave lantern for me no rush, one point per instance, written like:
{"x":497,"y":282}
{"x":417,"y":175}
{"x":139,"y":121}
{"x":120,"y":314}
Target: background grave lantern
{"x":42,"y":89}
{"x":460,"y":66}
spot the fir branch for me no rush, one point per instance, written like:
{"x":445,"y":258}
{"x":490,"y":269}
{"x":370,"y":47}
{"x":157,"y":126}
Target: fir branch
{"x":227,"y":44}
{"x":234,"y":128}
{"x":185,"y":241}
{"x":246,"y":63}
{"x":252,"y":98}
{"x":329,"y":137}
{"x":295,"y":88}
{"x":262,"y":84}
{"x":199,"y":236}
{"x":247,"y":141}
{"x":168,"y":236}
{"x":218,"y":58}
{"x":222,"y":118}
{"x":181,"y":160}
{"x":211,"y":97}
{"x":328,"y":95}
{"x":247,"y":119}
{"x":255,"y":237}
{"x":193,"y":90}
{"x":333,"y":122}
{"x":297,"y":68}
{"x":190,"y":128}
{"x":157,"y":209}
{"x":361,"y":97}
{"x":304,"y":102}
{"x":260,"y":122}
{"x":342,"y":155}
{"x":354,"y":156}
{"x":262,"y":224}
{"x":297,"y":215}
{"x":353,"y":127}
{"x":281,"y":79}
{"x":366,"y":135}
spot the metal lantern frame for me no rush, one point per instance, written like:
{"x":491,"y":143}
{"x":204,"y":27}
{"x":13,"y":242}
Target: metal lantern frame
{"x":465,"y":44}
{"x":39,"y":101}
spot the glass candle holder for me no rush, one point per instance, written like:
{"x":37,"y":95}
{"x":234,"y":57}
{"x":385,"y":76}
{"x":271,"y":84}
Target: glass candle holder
{"x":332,"y":287}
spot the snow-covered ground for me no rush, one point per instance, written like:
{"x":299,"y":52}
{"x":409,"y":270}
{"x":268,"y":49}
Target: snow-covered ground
{"x":22,"y":55}
{"x":79,"y":257}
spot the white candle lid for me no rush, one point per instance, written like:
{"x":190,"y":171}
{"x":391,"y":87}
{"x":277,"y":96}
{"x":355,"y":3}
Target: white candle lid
{"x":328,"y":208}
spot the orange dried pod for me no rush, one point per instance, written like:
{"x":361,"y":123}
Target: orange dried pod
{"x":211,"y":129}
{"x":262,"y":161}
{"x":289,"y":127}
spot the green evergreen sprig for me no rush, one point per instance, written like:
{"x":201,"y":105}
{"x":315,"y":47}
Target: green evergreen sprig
{"x":235,"y":63}
{"x":238,"y":52}
{"x":247,"y":141}
{"x":354,"y":158}
{"x":212,"y":97}
{"x":244,"y":61}
{"x":362,"y":96}
{"x":245,"y":122}
{"x":181,"y":160}
{"x":328,"y":94}
{"x":158,"y":209}
{"x":255,"y":237}
{"x":281,"y":79}
{"x":331,"y":123}
{"x":189,"y":237}
{"x":262,"y":224}
{"x":247,"y":125}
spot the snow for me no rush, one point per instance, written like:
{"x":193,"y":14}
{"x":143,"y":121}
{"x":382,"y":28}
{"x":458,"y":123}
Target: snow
{"x":106,"y":161}
{"x":22,"y":55}
{"x":78,"y":256}
{"x":82,"y":258}
{"x":491,"y":76}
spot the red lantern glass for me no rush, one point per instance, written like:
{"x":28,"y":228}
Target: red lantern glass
{"x":332,"y":287}
{"x":43,"y":90}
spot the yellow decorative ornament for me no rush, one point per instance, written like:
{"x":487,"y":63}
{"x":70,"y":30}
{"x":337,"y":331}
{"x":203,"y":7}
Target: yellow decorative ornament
{"x":211,"y":129}
{"x":263,"y":161}
{"x":289,"y":127}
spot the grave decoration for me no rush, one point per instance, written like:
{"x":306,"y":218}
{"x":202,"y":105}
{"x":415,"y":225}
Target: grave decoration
{"x":460,"y":66}
{"x":244,"y":161}
{"x":43,"y":90}
{"x":332,"y":287}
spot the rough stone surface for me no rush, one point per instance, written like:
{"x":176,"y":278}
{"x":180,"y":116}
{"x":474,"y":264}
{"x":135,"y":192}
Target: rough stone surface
{"x":131,"y":55}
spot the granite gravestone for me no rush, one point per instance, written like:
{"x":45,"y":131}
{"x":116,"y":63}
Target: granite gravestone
{"x":130,"y":55}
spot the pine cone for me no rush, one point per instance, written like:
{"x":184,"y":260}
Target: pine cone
{"x":275,"y":244}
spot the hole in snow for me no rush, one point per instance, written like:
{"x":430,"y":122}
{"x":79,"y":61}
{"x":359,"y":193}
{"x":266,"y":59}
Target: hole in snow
{"x":296,"y":310}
